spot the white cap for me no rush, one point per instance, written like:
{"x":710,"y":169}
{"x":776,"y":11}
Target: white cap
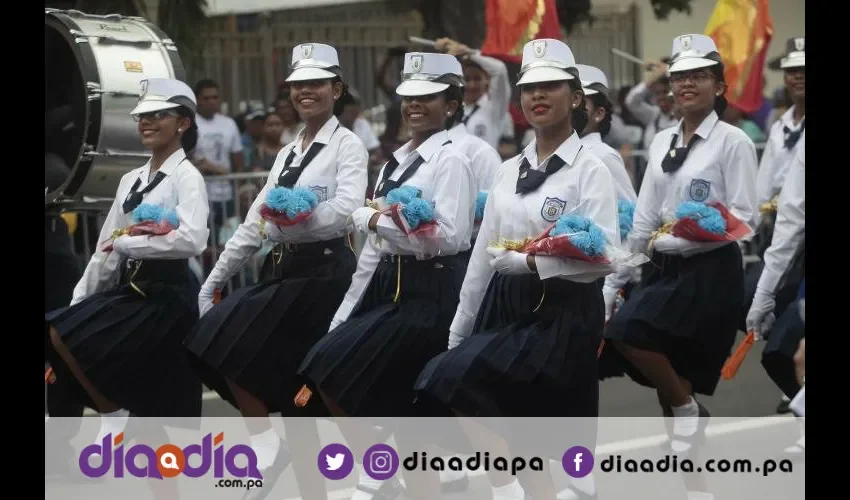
{"x":547,"y":60}
{"x":593,"y":80}
{"x":163,"y":93}
{"x":692,"y":52}
{"x":314,"y":61}
{"x":795,"y":53}
{"x":426,"y":74}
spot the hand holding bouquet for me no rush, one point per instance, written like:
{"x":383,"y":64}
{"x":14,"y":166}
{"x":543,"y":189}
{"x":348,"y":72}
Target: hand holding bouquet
{"x":147,"y":219}
{"x":410,"y":212}
{"x":571,"y":237}
{"x":287,"y":207}
{"x":699,"y":222}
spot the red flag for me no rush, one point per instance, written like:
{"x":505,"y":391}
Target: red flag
{"x":513,"y":23}
{"x":742,"y":30}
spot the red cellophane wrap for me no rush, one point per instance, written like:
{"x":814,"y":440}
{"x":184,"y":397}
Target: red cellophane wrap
{"x":424,"y":230}
{"x":280,"y":218}
{"x":560,"y":246}
{"x":690,"y":229}
{"x":140,"y":229}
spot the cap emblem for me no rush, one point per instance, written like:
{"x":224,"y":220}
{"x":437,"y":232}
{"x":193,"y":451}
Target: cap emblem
{"x":306,"y":51}
{"x":800,"y":44}
{"x":539,"y":48}
{"x":686,"y":42}
{"x":416,"y":63}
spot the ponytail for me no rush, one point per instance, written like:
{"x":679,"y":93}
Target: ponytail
{"x":720,"y":101}
{"x":578,"y":116}
{"x":189,"y":139}
{"x":345,"y":98}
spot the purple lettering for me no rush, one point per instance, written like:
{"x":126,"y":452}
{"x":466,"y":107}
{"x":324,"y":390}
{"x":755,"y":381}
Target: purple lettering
{"x":97,"y":450}
{"x":149,"y":469}
{"x":250,"y":470}
{"x":204,"y":451}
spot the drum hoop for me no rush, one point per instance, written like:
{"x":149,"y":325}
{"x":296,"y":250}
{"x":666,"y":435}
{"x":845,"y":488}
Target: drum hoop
{"x":88,"y":70}
{"x":173,"y":55}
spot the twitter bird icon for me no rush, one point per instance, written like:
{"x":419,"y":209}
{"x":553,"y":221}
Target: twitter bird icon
{"x":335,"y":461}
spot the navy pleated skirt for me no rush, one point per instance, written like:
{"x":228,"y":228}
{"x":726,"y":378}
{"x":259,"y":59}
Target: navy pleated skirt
{"x":257,"y":336}
{"x":368,"y":364}
{"x":688,"y":309}
{"x":128,"y":341}
{"x":777,"y":358}
{"x":532,"y":353}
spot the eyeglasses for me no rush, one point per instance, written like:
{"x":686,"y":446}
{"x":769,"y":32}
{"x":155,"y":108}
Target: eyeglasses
{"x":697,"y":77}
{"x":155,"y":115}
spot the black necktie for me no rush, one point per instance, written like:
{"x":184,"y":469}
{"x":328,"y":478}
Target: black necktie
{"x":467,"y":116}
{"x":289,"y":175}
{"x":529,"y":179}
{"x":134,"y":198}
{"x":791,"y":137}
{"x":386,"y":185}
{"x":674,"y":158}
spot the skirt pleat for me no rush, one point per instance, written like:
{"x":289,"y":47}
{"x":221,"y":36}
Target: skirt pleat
{"x":689,"y":310}
{"x":257,"y":336}
{"x":129,"y":345}
{"x":367,"y":365}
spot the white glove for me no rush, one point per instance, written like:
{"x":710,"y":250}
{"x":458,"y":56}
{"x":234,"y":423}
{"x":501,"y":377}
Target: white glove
{"x":205,"y":300}
{"x":455,"y":340}
{"x":509,"y":262}
{"x":119,"y":246}
{"x":760,"y":317}
{"x":360,"y":218}
{"x":610,"y":294}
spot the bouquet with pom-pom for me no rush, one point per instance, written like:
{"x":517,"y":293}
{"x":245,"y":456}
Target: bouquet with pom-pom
{"x":571,"y":237}
{"x":480,"y":203}
{"x":626,"y":215}
{"x":147,"y":219}
{"x":412,"y":214}
{"x":288,"y":206}
{"x":696,"y":221}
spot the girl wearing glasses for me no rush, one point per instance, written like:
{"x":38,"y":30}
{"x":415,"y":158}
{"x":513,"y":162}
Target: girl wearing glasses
{"x":678,"y":329}
{"x":121,"y":337}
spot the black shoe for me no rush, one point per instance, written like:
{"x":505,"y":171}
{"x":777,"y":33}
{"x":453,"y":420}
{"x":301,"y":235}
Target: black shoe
{"x":783,"y":406}
{"x":271,"y":474}
{"x":389,"y":490}
{"x":456,"y":485}
{"x":697,"y":439}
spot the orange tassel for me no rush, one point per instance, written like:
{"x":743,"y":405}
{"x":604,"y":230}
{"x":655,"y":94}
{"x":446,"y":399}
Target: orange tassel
{"x":730,"y":369}
{"x":599,"y":351}
{"x":217,"y":296}
{"x":303,"y":397}
{"x":49,"y":375}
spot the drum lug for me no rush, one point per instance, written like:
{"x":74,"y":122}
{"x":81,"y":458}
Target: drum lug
{"x":95,"y":92}
{"x":91,"y":153}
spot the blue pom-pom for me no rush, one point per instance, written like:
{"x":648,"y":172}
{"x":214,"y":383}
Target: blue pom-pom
{"x":301,"y":200}
{"x":417,"y":212}
{"x":402,"y":194}
{"x":170,"y":216}
{"x":278,"y":198}
{"x":708,"y":218}
{"x":626,"y":214}
{"x":147,"y":212}
{"x":480,"y":203}
{"x":582,"y":232}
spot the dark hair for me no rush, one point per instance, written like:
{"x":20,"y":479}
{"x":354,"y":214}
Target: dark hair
{"x":454,"y":93}
{"x":720,"y":102}
{"x":578,"y":116}
{"x":601,"y":100}
{"x":204,"y":84}
{"x":189,"y":139}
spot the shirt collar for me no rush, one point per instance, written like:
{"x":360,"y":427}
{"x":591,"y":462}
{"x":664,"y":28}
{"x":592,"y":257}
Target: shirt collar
{"x":458,"y":132}
{"x":168,"y":166}
{"x":787,"y":119}
{"x":704,"y":128}
{"x":426,"y":150}
{"x":324,"y":135}
{"x":567,"y":151}
{"x":592,"y":138}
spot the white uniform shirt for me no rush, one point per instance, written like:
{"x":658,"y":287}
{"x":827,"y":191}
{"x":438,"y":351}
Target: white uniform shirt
{"x":583,"y":186}
{"x":183,"y":191}
{"x":776,"y":159}
{"x":790,"y":227}
{"x":218,"y":138}
{"x":650,"y":115}
{"x":720,"y":167}
{"x":445,"y":178}
{"x":612,"y":159}
{"x":484,"y":119}
{"x":337,"y":174}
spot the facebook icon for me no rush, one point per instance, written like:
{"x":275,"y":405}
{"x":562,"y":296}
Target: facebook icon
{"x":577,"y":461}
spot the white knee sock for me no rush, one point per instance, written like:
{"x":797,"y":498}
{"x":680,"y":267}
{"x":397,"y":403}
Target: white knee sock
{"x":265,"y":446}
{"x":685,"y":423}
{"x":113,"y":423}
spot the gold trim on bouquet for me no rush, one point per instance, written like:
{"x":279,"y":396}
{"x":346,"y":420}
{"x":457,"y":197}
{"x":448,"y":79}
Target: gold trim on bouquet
{"x":770,"y":207}
{"x":515,"y":245}
{"x":664,"y":229}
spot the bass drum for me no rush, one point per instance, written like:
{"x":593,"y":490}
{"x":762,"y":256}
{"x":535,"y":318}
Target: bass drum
{"x":95,"y":65}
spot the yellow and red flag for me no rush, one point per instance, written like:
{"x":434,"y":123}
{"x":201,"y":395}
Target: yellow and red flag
{"x":742,"y":31}
{"x":513,"y":23}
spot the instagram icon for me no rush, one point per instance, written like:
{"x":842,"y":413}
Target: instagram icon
{"x":380,"y":462}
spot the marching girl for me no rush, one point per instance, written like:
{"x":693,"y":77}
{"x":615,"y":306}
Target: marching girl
{"x":524,"y":319}
{"x":251,"y":343}
{"x":677,"y":330}
{"x":786,"y":251}
{"x":120,"y":338}
{"x":396,"y":314}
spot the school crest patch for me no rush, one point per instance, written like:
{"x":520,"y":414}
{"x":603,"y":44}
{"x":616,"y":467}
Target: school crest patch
{"x":480,"y":130}
{"x":699,"y":189}
{"x":552,"y":209}
{"x":321,"y":192}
